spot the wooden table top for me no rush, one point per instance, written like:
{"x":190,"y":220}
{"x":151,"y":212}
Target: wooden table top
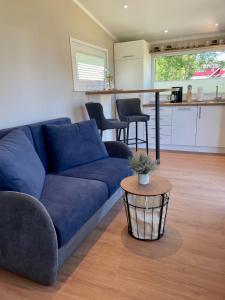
{"x":158,"y":186}
{"x":115,"y":91}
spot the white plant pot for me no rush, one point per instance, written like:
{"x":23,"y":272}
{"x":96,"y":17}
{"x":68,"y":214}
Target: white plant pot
{"x":143,"y":179}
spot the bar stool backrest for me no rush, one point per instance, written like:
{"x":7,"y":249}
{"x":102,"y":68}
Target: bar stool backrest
{"x":95,"y":111}
{"x":128,"y":107}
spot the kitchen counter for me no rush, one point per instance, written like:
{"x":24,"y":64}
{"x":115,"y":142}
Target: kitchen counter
{"x":197,"y":127}
{"x":193,"y":103}
{"x":115,"y":91}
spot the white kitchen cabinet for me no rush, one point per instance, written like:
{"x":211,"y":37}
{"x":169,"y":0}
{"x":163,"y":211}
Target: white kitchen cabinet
{"x":164,"y":140}
{"x":164,"y":111}
{"x":129,"y":50}
{"x":132,"y":68}
{"x":184,"y":126}
{"x":129,"y":74}
{"x":189,"y":128}
{"x":164,"y":120}
{"x":132,"y":72}
{"x":165,"y":125}
{"x":211,"y":126}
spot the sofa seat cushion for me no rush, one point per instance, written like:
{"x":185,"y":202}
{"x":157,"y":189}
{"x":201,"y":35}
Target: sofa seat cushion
{"x":109,"y":170}
{"x":71,"y":202}
{"x":72,"y":145}
{"x":20,"y":167}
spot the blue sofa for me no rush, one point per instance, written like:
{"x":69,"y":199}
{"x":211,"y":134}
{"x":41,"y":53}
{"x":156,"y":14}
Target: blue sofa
{"x":57,"y":181}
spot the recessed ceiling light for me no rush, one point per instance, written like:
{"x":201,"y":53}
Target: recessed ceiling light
{"x":125,"y":6}
{"x":217,"y":24}
{"x":166,"y":31}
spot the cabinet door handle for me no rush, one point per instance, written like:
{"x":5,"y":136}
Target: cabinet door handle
{"x":153,"y":128}
{"x":127,"y":56}
{"x":199,"y":112}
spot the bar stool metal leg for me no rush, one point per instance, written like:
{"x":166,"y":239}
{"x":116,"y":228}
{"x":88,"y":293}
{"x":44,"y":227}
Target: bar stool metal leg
{"x":124,"y":135}
{"x":128,"y":127}
{"x":117,"y":135}
{"x":146,"y":137}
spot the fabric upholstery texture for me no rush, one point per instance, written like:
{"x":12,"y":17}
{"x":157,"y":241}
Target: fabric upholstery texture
{"x":118,"y":149}
{"x":38,"y":236}
{"x":138,"y":118}
{"x":67,"y":250}
{"x":28,"y":243}
{"x":20,"y":167}
{"x":109,"y":170}
{"x":129,"y":110}
{"x":25,"y":129}
{"x":95,"y":111}
{"x":71,"y":202}
{"x":39,"y":141}
{"x":72,"y":145}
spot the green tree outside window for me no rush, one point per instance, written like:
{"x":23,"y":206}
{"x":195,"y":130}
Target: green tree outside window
{"x":183,"y":67}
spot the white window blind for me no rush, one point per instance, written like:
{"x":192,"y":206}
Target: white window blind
{"x":89,"y":64}
{"x":90,"y":67}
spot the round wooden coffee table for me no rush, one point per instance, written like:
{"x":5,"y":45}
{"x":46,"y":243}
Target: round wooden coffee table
{"x":146,"y":206}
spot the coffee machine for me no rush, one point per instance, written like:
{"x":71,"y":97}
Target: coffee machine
{"x":176,"y":96}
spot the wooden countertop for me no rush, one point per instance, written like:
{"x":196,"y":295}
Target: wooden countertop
{"x":193,"y":103}
{"x":114,"y":91}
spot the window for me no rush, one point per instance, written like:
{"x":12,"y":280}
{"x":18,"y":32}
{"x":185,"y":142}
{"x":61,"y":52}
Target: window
{"x":200,"y":69}
{"x":90,"y":67}
{"x":89,"y":64}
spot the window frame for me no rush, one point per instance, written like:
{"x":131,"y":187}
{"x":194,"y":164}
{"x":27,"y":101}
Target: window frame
{"x":85,"y":85}
{"x":181,"y":52}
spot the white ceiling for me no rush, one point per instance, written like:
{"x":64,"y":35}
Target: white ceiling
{"x":147,"y":19}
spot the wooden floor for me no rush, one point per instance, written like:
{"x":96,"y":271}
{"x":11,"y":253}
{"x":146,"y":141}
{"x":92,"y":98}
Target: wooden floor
{"x":188,"y":263}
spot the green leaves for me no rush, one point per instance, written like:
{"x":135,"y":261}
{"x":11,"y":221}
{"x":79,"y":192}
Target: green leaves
{"x":142,"y":164}
{"x":183,"y":67}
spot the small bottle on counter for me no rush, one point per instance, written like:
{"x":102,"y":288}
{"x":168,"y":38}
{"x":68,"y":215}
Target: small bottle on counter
{"x":189,"y":93}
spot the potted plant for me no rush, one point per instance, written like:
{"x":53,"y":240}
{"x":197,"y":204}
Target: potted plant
{"x":142,"y":165}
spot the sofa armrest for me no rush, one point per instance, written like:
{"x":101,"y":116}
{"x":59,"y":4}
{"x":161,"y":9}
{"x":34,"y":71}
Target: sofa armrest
{"x":118,"y":149}
{"x":28,"y":241}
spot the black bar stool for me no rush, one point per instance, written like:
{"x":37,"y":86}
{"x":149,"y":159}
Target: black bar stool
{"x":95,"y":111}
{"x":129,"y":110}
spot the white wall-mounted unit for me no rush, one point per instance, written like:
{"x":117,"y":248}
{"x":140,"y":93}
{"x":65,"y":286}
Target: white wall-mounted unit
{"x":132,"y":67}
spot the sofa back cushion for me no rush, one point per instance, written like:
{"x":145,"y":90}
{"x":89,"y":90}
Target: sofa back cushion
{"x":39,"y":141}
{"x":72,"y":145}
{"x":20,"y":167}
{"x":24,"y":128}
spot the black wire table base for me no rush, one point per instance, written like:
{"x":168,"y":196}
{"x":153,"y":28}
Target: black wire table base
{"x":146,"y":215}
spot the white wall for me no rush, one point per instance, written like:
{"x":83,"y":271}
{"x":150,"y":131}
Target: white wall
{"x":35,"y":62}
